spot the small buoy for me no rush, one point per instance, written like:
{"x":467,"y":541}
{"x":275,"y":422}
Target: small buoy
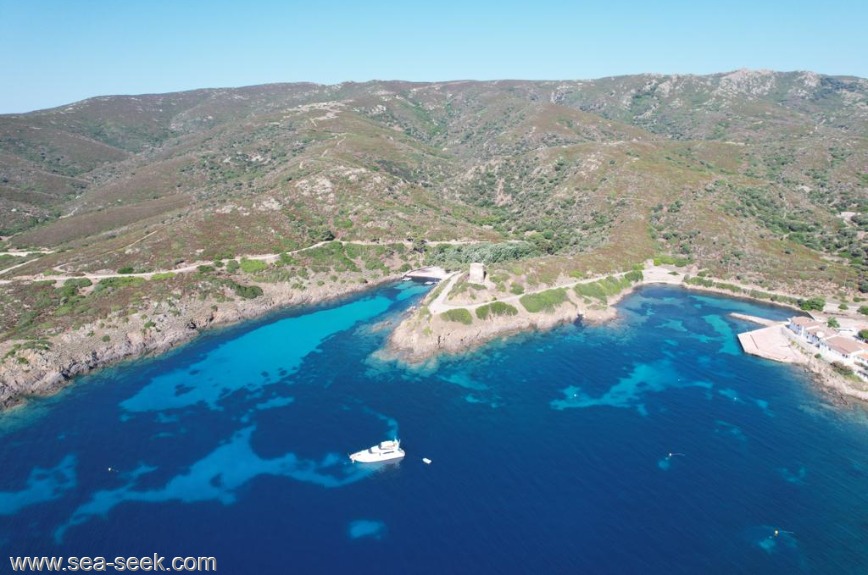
{"x":426,"y":461}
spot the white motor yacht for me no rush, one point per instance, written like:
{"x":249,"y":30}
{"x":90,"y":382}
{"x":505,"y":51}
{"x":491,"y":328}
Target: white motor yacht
{"x":383,"y":451}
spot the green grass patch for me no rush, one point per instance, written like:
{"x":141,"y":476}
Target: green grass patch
{"x":667,"y":260}
{"x":591,"y":290}
{"x":545,"y":301}
{"x":460,"y":315}
{"x":78,"y":283}
{"x":494,"y":309}
{"x":118,"y":283}
{"x":332,"y":257}
{"x":252,"y":266}
{"x":163,"y":276}
{"x":754,"y":293}
{"x":610,"y":286}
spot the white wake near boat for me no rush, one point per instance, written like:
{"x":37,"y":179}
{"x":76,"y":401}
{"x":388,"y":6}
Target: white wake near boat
{"x":383,"y":451}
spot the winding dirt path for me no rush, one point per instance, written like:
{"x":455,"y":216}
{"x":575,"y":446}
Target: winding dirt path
{"x":192,"y":267}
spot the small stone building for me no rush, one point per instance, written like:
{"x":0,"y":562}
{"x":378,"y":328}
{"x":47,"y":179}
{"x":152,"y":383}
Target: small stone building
{"x":477,"y":273}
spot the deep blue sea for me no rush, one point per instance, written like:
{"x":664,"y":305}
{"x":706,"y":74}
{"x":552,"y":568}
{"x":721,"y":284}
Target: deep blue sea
{"x":649,"y":445}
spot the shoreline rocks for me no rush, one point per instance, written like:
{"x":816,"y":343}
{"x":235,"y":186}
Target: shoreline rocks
{"x":421,"y":338}
{"x":43,"y":372}
{"x":418,"y":338}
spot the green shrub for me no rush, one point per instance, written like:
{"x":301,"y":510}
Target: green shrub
{"x":517,"y":289}
{"x":812,"y":304}
{"x":482,"y":252}
{"x":232,"y":266}
{"x":246,"y":292}
{"x":495,"y":309}
{"x":205,"y":269}
{"x":126,"y":270}
{"x":634,"y":276}
{"x":545,"y":301}
{"x":863,"y":309}
{"x":460,"y":315}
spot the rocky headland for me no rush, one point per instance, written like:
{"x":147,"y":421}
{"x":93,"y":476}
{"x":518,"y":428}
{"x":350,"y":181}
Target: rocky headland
{"x":44,"y":370}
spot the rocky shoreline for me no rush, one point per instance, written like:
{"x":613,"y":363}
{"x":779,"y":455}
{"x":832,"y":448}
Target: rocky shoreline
{"x":42,"y":372}
{"x":421,"y":337}
{"x":418,"y":338}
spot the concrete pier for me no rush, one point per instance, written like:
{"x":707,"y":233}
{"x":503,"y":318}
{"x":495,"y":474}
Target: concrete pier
{"x":754,"y":319}
{"x":771,"y":343}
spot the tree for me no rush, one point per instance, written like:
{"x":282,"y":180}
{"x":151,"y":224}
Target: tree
{"x":863,"y":334}
{"x":833,"y":323}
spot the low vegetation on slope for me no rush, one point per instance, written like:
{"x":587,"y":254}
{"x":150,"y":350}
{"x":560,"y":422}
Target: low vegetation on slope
{"x":762,"y":178}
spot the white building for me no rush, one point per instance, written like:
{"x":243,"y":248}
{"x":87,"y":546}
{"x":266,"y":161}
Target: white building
{"x":477,"y":273}
{"x":845,"y":348}
{"x":833,"y":346}
{"x":801,"y":323}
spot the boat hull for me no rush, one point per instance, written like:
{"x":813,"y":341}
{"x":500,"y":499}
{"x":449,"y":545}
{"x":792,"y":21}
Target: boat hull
{"x":367,"y":456}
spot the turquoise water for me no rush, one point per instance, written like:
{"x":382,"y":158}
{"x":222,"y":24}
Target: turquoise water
{"x":648,"y":445}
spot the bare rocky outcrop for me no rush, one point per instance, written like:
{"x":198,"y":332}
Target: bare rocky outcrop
{"x":421,"y":335}
{"x":417,"y":339}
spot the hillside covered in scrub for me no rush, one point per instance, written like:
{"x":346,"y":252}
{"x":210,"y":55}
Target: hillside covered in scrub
{"x":129,"y":207}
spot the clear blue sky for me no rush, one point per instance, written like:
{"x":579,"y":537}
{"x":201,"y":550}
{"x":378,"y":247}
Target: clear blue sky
{"x":54,"y":52}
